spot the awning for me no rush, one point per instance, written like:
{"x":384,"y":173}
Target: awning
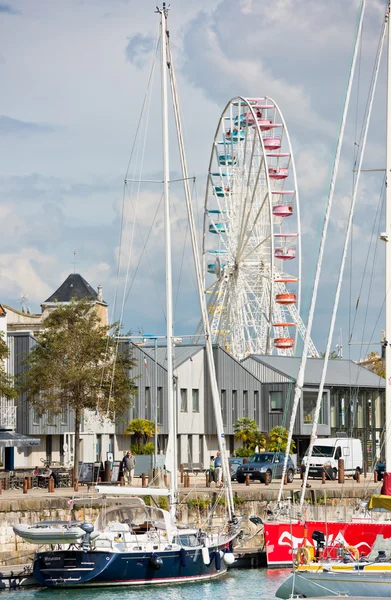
{"x":380,"y":502}
{"x":11,"y":439}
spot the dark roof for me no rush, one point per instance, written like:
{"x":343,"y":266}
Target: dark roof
{"x":75,"y":286}
{"x":340,"y":372}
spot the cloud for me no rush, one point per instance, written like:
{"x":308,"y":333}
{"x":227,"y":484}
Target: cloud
{"x":7,"y":9}
{"x":138,"y":49}
{"x":10,"y":126}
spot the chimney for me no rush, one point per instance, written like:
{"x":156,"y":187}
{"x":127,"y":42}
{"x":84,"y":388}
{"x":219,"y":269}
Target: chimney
{"x":100,"y":296}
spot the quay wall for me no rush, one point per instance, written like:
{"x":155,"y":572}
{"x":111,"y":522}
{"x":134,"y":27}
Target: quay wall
{"x":194,"y":507}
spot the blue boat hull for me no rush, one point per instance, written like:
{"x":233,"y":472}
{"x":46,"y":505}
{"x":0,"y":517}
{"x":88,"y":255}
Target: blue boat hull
{"x":75,"y":568}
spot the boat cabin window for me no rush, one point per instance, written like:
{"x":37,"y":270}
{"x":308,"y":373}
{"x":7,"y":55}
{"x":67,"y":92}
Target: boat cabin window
{"x":190,"y":540}
{"x":318,"y":450}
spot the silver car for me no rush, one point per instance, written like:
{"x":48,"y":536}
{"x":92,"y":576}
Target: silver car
{"x":261,"y":463}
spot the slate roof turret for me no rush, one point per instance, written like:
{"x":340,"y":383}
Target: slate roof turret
{"x":75,"y":286}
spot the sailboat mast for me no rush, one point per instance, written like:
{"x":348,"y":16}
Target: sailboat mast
{"x":171,"y":412}
{"x":388,"y":260}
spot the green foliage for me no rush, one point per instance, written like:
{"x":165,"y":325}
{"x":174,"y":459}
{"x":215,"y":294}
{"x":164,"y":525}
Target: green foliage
{"x":148,"y":448}
{"x":238,"y":500}
{"x":141,"y":429}
{"x":163,"y":503}
{"x":199,"y":503}
{"x":243,"y":452}
{"x":375,"y":364}
{"x":147,"y":500}
{"x":247,"y":432}
{"x":76,"y":364}
{"x":7,"y":389}
{"x":332,"y":356}
{"x":278,"y":439}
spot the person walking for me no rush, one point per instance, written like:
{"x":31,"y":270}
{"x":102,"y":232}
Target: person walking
{"x":128,"y":465}
{"x":212,"y":471}
{"x":218,"y":470}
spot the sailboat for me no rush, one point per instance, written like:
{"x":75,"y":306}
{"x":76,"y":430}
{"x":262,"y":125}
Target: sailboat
{"x":131,"y":543}
{"x":352,"y":574}
{"x":361,"y":531}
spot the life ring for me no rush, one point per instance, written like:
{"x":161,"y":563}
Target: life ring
{"x":303,"y":556}
{"x":353,"y":550}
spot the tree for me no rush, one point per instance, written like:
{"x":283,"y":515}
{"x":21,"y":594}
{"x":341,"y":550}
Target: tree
{"x":278,"y":439}
{"x":7,"y":389}
{"x":247,"y":432}
{"x":142,"y":429}
{"x":333,"y":355}
{"x":76,"y":364}
{"x":375,"y":364}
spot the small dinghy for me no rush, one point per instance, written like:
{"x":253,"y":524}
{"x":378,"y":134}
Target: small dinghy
{"x":51,"y":532}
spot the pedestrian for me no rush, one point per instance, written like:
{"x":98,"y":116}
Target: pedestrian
{"x":128,"y":465}
{"x":218,"y":470}
{"x":212,"y":471}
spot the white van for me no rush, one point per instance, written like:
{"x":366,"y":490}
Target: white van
{"x":326,"y":453}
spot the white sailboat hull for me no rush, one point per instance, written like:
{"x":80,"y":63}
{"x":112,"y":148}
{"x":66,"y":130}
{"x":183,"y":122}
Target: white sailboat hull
{"x":325,"y":584}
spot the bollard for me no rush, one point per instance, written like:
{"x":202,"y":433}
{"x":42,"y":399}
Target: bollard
{"x":323,"y":476}
{"x":286,"y":479}
{"x":75,"y":485}
{"x":1,"y":486}
{"x":341,"y":470}
{"x":28,"y":482}
{"x":267,"y":478}
{"x":73,"y":477}
{"x":143,"y":480}
{"x":182,"y":470}
{"x":358,"y":476}
{"x":365,"y":469}
{"x":6,"y":484}
{"x":122,"y":482}
{"x":207,"y":479}
{"x":186,"y":482}
{"x":375,"y":476}
{"x":247,"y":478}
{"x":165,"y":479}
{"x":49,"y":484}
{"x":25,"y":485}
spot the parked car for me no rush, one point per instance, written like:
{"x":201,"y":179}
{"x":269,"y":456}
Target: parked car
{"x":234,"y":463}
{"x":261,"y":463}
{"x":380,"y":468}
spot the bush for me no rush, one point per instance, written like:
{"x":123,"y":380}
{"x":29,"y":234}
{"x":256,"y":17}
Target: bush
{"x":244,"y":452}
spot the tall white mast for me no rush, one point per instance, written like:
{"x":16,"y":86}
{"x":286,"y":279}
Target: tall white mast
{"x":388,"y":260}
{"x":171,"y":411}
{"x":300,"y":376}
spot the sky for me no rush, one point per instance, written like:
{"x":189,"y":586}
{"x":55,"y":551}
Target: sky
{"x":74,"y":76}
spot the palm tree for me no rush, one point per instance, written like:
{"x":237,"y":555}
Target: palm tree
{"x":245,"y":430}
{"x":278,"y":439}
{"x":142,"y":429}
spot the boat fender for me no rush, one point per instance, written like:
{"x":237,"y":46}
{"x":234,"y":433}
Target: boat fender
{"x":205,"y":556}
{"x":303,"y":556}
{"x":353,"y":550}
{"x":217,"y":561}
{"x":156,"y":561}
{"x":183,"y":557}
{"x":228,"y":558}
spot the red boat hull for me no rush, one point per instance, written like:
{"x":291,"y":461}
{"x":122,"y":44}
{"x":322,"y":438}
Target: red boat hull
{"x":283,"y":539}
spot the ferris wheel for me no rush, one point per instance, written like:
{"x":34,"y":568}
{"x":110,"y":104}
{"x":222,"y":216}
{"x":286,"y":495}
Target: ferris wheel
{"x":252,"y":233}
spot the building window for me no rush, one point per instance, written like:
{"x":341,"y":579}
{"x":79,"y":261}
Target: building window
{"x":234,"y":406}
{"x":309,"y":404}
{"x":183,"y":400}
{"x":275,"y":399}
{"x":160,"y":406}
{"x":36,"y":418}
{"x":50,"y":418}
{"x":196,"y":401}
{"x":245,"y":404}
{"x":224,"y":407}
{"x":64,"y":416}
{"x":256,"y":406}
{"x":148,"y":407}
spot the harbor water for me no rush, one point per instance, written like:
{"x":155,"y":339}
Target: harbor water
{"x":244,"y":584}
